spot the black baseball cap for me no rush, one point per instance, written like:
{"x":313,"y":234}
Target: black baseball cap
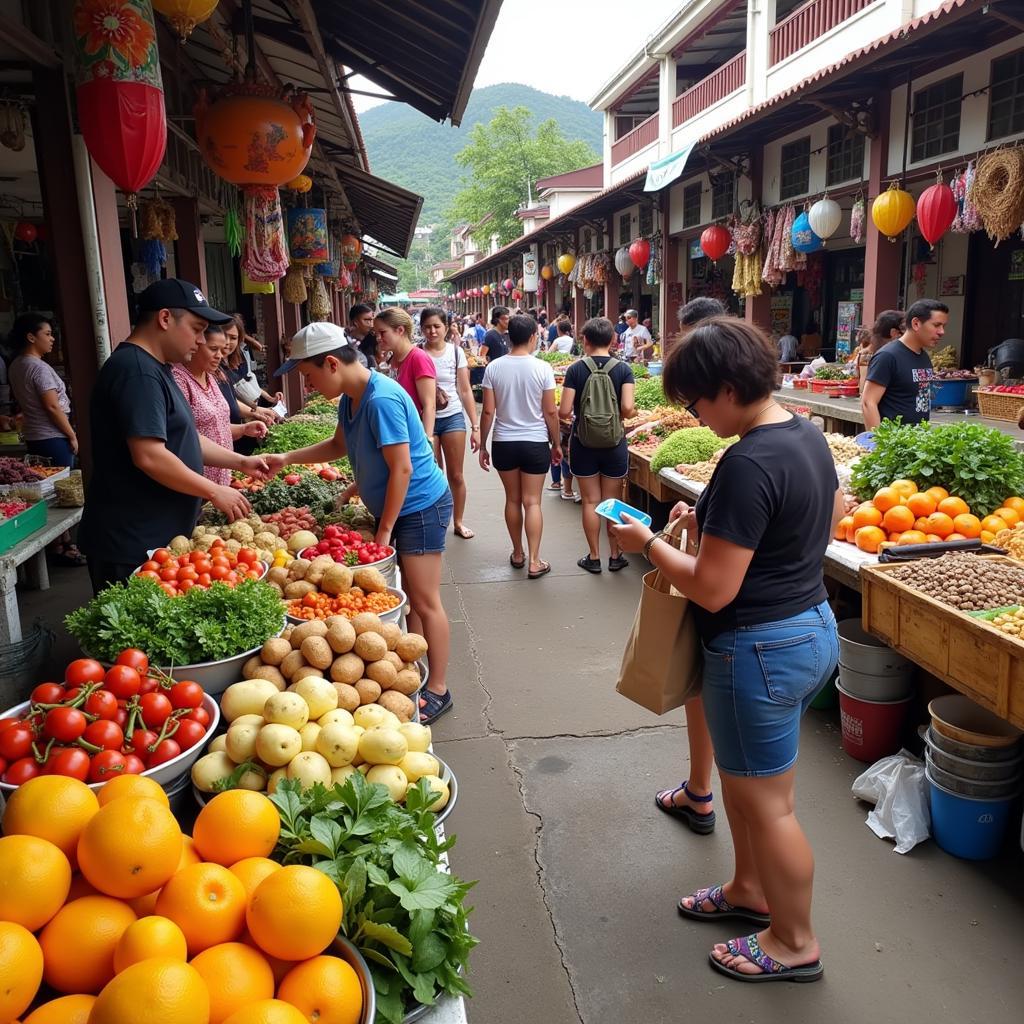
{"x":177,"y":294}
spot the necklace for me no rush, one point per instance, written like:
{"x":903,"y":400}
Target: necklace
{"x":756,"y":417}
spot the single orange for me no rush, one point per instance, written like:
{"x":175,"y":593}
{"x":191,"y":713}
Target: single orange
{"x":1007,"y":514}
{"x":939,"y":523}
{"x":967,"y":524}
{"x":987,"y":536}
{"x":236,"y":824}
{"x":922,"y":524}
{"x":132,"y":785}
{"x":325,"y":989}
{"x":144,"y":906}
{"x":912,"y":537}
{"x":993,"y":523}
{"x":156,"y":991}
{"x":207,"y":903}
{"x":236,"y":976}
{"x":21,"y":969}
{"x":956,"y":536}
{"x":66,"y":1010}
{"x":34,"y":880}
{"x":905,"y":487}
{"x":866,"y":515}
{"x":267,"y":1011}
{"x":149,"y":937}
{"x":894,"y":536}
{"x":869,"y":537}
{"x":938,"y":493}
{"x":51,"y":807}
{"x":252,"y":870}
{"x":953,"y":507}
{"x":842,"y":526}
{"x":1016,"y":503}
{"x":131,"y":847}
{"x":898,"y":519}
{"x":886,"y":498}
{"x":921,"y":504}
{"x":78,"y":944}
{"x":294,"y":913}
{"x":934,"y":538}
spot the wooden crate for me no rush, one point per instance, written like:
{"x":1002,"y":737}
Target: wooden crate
{"x":641,"y":474}
{"x":970,"y":655}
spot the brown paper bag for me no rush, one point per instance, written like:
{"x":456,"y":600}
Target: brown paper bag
{"x":661,"y":666}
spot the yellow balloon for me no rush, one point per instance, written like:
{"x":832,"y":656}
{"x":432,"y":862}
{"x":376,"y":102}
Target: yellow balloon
{"x":566,"y":262}
{"x":184,"y":15}
{"x":486,"y":289}
{"x":892,"y":211}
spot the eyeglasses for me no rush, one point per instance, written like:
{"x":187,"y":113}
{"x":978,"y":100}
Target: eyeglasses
{"x":691,"y":409}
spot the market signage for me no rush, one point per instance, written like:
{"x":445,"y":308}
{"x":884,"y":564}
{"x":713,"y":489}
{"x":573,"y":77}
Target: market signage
{"x":530,"y":269}
{"x":664,"y":172}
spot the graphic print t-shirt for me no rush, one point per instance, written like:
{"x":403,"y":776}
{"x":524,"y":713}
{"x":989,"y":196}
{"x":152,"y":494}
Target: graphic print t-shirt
{"x":906,"y":377}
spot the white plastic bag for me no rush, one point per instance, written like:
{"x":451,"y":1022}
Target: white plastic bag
{"x":896,"y":786}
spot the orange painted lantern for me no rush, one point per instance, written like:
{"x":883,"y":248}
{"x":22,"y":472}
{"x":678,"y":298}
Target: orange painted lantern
{"x":301,"y":184}
{"x":351,"y":250}
{"x":547,"y":272}
{"x":184,"y":15}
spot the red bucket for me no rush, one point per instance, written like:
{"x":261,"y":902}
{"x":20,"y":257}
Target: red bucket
{"x":871,"y":729}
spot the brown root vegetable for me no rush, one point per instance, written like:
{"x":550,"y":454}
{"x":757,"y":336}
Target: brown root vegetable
{"x":306,"y":670}
{"x":348,"y":696}
{"x":272,"y":675}
{"x":317,"y":568}
{"x":370,"y":580}
{"x":312,"y":628}
{"x":298,"y":589}
{"x":398,"y":704}
{"x":368,"y":691}
{"x":317,"y":651}
{"x":370,"y":646}
{"x":395,"y":660}
{"x":340,"y":635}
{"x":407,"y":681}
{"x":382,"y":672}
{"x":279,"y":575}
{"x":392,"y":633}
{"x":367,"y":622}
{"x":297,"y":569}
{"x":411,"y":647}
{"x":294,"y":661}
{"x":337,"y":580}
{"x":347,"y":668}
{"x":251,"y":665}
{"x":275,"y":650}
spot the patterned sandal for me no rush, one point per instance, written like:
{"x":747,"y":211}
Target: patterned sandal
{"x":723,"y":909}
{"x":702,"y":824}
{"x":771,"y":970}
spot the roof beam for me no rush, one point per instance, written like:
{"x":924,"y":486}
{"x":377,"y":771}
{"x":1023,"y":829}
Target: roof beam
{"x":21,"y":38}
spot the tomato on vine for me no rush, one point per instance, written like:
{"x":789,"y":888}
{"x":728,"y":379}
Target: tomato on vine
{"x":189,"y":733}
{"x":47,"y":693}
{"x":186,"y":694}
{"x":105,"y":734}
{"x":83,"y":671}
{"x":21,"y":771}
{"x":122,"y":681}
{"x":70,"y":761}
{"x":16,"y":742}
{"x":134,"y":658}
{"x":101,"y":704}
{"x":64,"y":724}
{"x":108,"y":765}
{"x":166,"y":750}
{"x":133,"y":764}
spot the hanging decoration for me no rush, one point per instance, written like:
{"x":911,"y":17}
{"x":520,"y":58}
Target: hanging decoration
{"x":12,"y":125}
{"x":967,"y":219}
{"x":566,"y":263}
{"x":307,"y":235}
{"x":119,"y":90}
{"x":654,"y":263}
{"x":486,"y":289}
{"x":640,"y":253}
{"x":746,"y":277}
{"x":184,"y":15}
{"x":234,"y":233}
{"x":547,"y":272}
{"x":792,"y":258}
{"x":857,"y":220}
{"x":892,"y":211}
{"x":251,"y":287}
{"x":824,"y":218}
{"x":158,"y":227}
{"x":623,"y":264}
{"x":351,"y":250}
{"x":936,"y":210}
{"x":715,"y":242}
{"x":804,"y":238}
{"x":319,"y":301}
{"x":293,"y":287}
{"x":301,"y":183}
{"x":26,"y":232}
{"x":997,"y":192}
{"x":507,"y":285}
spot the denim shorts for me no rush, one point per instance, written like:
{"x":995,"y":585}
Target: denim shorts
{"x":450,"y":424}
{"x":758,"y":682}
{"x":423,"y":532}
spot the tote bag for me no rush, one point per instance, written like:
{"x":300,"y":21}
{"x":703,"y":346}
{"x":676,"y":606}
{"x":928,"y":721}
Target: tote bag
{"x":661,"y":666}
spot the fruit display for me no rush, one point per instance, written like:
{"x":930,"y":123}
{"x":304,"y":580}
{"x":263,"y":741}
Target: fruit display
{"x":177,"y":574}
{"x":13,"y":507}
{"x":14,"y":471}
{"x":348,"y":547}
{"x":1011,"y":539}
{"x":964,"y":581}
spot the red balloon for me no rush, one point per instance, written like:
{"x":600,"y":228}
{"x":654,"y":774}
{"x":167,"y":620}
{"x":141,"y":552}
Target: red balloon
{"x":640,"y":253}
{"x":715,"y":241}
{"x":25,"y":232}
{"x":936,"y":210}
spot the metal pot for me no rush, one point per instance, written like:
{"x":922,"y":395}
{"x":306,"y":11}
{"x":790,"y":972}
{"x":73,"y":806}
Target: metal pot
{"x":976,"y":771}
{"x":859,"y":651}
{"x":971,"y":787}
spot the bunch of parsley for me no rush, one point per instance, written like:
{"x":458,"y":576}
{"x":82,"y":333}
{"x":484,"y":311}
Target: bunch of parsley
{"x":403,"y":910}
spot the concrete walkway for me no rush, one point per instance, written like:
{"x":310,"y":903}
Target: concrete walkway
{"x":579,"y":874}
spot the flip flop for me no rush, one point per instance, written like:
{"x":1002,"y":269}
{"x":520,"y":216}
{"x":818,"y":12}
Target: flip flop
{"x":723,"y":909}
{"x":464,"y":532}
{"x":517,"y":565}
{"x":771,"y":970}
{"x":590,"y":564}
{"x":701,"y":823}
{"x":434,"y":705}
{"x":567,"y":497}
{"x":542,"y":572}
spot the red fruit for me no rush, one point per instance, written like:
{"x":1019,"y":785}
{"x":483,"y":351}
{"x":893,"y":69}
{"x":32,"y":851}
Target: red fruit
{"x":134,"y":658}
{"x":133,"y":764}
{"x":149,"y":685}
{"x":140,"y":742}
{"x":82,"y":671}
{"x":107,"y":765}
{"x":200,"y":715}
{"x":70,"y":761}
{"x":64,"y":724}
{"x":189,"y":733}
{"x":105,"y":734}
{"x":102,"y":704}
{"x":47,"y":693}
{"x":186,"y":694}
{"x":122,"y":681}
{"x":166,"y":750}
{"x":156,"y":709}
{"x":16,"y":742}
{"x":21,"y":771}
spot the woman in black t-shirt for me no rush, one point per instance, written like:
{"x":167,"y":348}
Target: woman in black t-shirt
{"x":769,"y":636}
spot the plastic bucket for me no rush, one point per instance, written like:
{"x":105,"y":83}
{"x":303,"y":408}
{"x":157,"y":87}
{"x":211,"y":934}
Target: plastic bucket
{"x":882,"y":687}
{"x":950,"y":392}
{"x":871,"y":729}
{"x":972,"y":751}
{"x":654,"y":369}
{"x":861,"y":652}
{"x":968,"y":827}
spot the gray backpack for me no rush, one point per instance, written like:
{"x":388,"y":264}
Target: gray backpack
{"x":599,"y":424}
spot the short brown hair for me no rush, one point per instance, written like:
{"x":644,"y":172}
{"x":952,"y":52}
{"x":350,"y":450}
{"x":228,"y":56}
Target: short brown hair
{"x":722,"y":350}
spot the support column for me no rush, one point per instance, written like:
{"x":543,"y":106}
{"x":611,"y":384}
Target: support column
{"x":291,"y":383}
{"x":881,"y":257}
{"x":666,"y":309}
{"x":611,"y":293}
{"x":189,"y":250}
{"x":273,"y":331}
{"x":579,"y":310}
{"x":108,"y":228}
{"x":758,"y":309}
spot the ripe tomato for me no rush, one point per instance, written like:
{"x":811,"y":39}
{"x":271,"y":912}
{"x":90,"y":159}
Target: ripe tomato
{"x":64,"y":724}
{"x":200,"y":715}
{"x":162,"y":555}
{"x":167,"y":750}
{"x":7,"y":723}
{"x":169,"y":589}
{"x":47,"y":693}
{"x":73,"y":694}
{"x":134,"y":658}
{"x":16,"y":742}
{"x":21,"y":771}
{"x":149,"y":575}
{"x":187,"y":572}
{"x":122,"y":681}
{"x":149,"y":685}
{"x":168,"y":573}
{"x":139,"y":741}
{"x":133,"y":765}
{"x":82,"y":671}
{"x":107,"y":765}
{"x":219,"y":572}
{"x":3,"y":766}
{"x":247,"y":555}
{"x":189,"y":733}
{"x":150,"y":566}
{"x":204,"y":580}
{"x":186,"y":585}
{"x":220,"y":560}
{"x":196,"y":556}
{"x":70,"y":761}
{"x":218,"y":542}
{"x":105,"y":734}
{"x":121,"y":718}
{"x":156,"y":709}
{"x":102,"y":704}
{"x":186,"y":694}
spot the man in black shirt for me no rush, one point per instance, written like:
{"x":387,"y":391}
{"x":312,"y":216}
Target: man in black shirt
{"x":900,"y":373}
{"x":496,"y":342}
{"x":147,"y":483}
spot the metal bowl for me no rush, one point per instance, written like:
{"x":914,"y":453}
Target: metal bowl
{"x":394,"y":615}
{"x":973,"y":770}
{"x":971,"y":788}
{"x":961,"y":719}
{"x":345,"y":949}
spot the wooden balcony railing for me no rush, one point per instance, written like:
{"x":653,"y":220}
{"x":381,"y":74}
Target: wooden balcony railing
{"x":632,"y":142}
{"x":732,"y":75}
{"x":808,"y":23}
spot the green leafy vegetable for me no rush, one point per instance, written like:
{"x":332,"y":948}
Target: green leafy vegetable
{"x":831,"y":373}
{"x":687,"y":446}
{"x":201,"y":625}
{"x":557,"y":358}
{"x":403,"y":909}
{"x":290,"y":435}
{"x":318,"y":495}
{"x":649,"y":394}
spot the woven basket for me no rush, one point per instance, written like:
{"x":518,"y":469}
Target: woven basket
{"x":996,"y":405}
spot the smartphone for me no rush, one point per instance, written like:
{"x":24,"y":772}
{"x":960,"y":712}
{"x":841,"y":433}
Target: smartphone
{"x":612,"y":509}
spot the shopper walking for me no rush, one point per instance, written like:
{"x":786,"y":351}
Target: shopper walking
{"x":496,"y":340}
{"x":412,"y":367}
{"x":238,"y":365}
{"x":360,"y":333}
{"x":769,"y":636}
{"x":397,"y":478}
{"x":456,"y":415}
{"x":598,"y":394}
{"x":519,"y":401}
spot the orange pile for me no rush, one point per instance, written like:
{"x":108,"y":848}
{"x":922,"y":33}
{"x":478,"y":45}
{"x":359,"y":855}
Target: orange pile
{"x":901,"y":514}
{"x":146,"y":930}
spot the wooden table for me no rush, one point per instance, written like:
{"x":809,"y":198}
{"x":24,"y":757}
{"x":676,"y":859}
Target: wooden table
{"x":31,"y":553}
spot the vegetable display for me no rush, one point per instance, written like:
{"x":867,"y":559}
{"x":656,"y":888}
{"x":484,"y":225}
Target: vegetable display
{"x":648,"y":394}
{"x":321,"y":588}
{"x":348,"y":547}
{"x":965,"y":582}
{"x":310,"y":491}
{"x":12,"y":508}
{"x":178,"y":574}
{"x":291,"y":435}
{"x":290,"y":519}
{"x":838,"y":373}
{"x":691,"y":445}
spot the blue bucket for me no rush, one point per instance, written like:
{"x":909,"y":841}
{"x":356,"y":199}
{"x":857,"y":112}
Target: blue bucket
{"x":654,"y":369}
{"x":949,"y":392}
{"x":967,"y":827}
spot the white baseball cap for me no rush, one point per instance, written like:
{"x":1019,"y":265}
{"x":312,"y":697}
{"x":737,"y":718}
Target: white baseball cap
{"x":315,"y":339}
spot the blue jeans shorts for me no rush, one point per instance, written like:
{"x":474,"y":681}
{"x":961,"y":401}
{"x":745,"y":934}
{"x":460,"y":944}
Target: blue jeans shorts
{"x":450,"y":424}
{"x":423,"y":532}
{"x":758,"y":682}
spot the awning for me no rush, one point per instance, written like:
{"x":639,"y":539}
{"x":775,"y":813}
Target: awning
{"x":387,"y":213}
{"x":664,"y":172}
{"x":379,"y":269}
{"x":423,"y":52}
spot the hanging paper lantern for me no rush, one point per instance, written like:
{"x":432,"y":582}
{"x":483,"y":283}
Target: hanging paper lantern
{"x":301,"y":183}
{"x":715,"y":242}
{"x":936,"y":210}
{"x":351,"y":250}
{"x":825,"y":217}
{"x":547,"y":272}
{"x":892,"y":211}
{"x":119,"y":90}
{"x":26,"y":232}
{"x":640,"y":253}
{"x":184,"y":15}
{"x":566,"y":262}
{"x":803,"y":238}
{"x":486,"y":289}
{"x":307,"y":235}
{"x":508,"y":284}
{"x":623,"y":264}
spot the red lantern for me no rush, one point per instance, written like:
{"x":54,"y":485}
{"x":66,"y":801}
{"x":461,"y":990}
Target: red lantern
{"x":120,"y":91}
{"x":640,"y":253}
{"x":26,"y":232}
{"x":715,"y":242}
{"x":936,"y":210}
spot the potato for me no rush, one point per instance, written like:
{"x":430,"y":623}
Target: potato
{"x":370,"y":580}
{"x":407,"y":681}
{"x":275,"y":777}
{"x":241,"y":742}
{"x":416,"y":765}
{"x":340,"y":635}
{"x":279,"y":575}
{"x":339,"y":776}
{"x":308,"y":734}
{"x":370,"y":646}
{"x":370,"y":715}
{"x":382,"y":672}
{"x":436,"y":785}
{"x":338,"y":743}
{"x":368,"y":691}
{"x":347,"y":668}
{"x":251,"y":665}
{"x":393,"y":658}
{"x":319,"y":694}
{"x":312,"y":628}
{"x":277,"y":744}
{"x":286,"y":709}
{"x":275,"y":650}
{"x":317,"y":568}
{"x":254,"y":778}
{"x":219,"y":743}
{"x":392,"y":777}
{"x":392,"y":633}
{"x":301,"y":539}
{"x":305,"y":671}
{"x":366,"y":622}
{"x":286,"y":633}
{"x":210,"y":769}
{"x":337,"y":580}
{"x":348,"y":697}
{"x":277,"y":589}
{"x":317,"y":651}
{"x":272,"y":675}
{"x":258,"y":720}
{"x":246,"y":698}
{"x":411,"y":647}
{"x":339,"y":716}
{"x":398,"y":704}
{"x":298,"y":568}
{"x":298,"y":589}
{"x":417,"y":736}
{"x":309,"y":768}
{"x":292,"y":664}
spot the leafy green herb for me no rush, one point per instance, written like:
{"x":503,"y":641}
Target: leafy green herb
{"x":831,"y":373}
{"x":649,"y":393}
{"x":403,"y":910}
{"x":316,"y":494}
{"x":290,"y":435}
{"x":687,"y":446}
{"x":201,"y":625}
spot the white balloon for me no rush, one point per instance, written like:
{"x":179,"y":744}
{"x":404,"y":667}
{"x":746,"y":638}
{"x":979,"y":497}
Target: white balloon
{"x":824,"y":217}
{"x":623,"y":264}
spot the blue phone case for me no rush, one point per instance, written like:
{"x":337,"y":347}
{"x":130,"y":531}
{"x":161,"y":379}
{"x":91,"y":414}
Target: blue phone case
{"x":612,"y":508}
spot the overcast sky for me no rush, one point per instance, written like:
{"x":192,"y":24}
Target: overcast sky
{"x":565,"y":47}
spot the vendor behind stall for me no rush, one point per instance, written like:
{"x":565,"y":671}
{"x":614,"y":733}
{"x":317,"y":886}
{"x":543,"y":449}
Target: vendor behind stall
{"x":147,"y":483}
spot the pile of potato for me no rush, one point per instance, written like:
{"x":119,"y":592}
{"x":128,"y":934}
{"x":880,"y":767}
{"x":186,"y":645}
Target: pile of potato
{"x":304,"y":576}
{"x":250,"y":532}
